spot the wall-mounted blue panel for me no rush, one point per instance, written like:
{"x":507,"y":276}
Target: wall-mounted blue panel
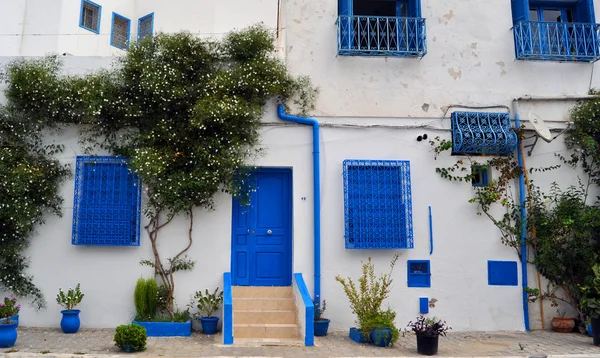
{"x":482,"y":133}
{"x":419,"y":273}
{"x":423,"y":305}
{"x":503,"y":273}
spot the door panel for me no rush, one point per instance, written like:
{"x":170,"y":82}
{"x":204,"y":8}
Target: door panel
{"x":262,"y":232}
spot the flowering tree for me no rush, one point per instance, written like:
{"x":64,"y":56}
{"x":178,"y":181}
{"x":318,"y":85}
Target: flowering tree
{"x":186,"y":112}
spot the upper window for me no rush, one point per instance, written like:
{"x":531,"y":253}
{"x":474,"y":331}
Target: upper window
{"x":381,"y":28}
{"x":482,"y":133}
{"x":119,"y":35}
{"x":145,"y":26}
{"x":106,"y":205}
{"x":89,"y":17}
{"x":378,"y":204}
{"x":558,"y":30}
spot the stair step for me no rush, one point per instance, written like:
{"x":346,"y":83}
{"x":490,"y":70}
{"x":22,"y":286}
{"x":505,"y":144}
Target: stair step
{"x":258,"y":342}
{"x":271,"y":331}
{"x":262,"y":292}
{"x":264,"y":304}
{"x":264,"y":316}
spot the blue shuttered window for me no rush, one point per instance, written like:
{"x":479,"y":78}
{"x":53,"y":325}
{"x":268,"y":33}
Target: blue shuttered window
{"x":107,"y":203}
{"x":377,"y":204}
{"x":419,"y":273}
{"x":119,"y":35}
{"x":90,"y":15}
{"x":145,"y":26}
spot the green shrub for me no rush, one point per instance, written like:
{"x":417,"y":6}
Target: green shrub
{"x":131,"y":334}
{"x":145,"y":298}
{"x":382,"y":319}
{"x":208,"y":303}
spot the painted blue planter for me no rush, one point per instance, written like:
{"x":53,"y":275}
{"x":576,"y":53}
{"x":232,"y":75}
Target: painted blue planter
{"x":209,"y":324}
{"x":167,"y":329}
{"x":588,"y":327}
{"x":357,"y":336}
{"x":13,"y":318}
{"x":321,"y":327}
{"x":70,"y":321}
{"x":8,"y":334}
{"x":381,"y":337}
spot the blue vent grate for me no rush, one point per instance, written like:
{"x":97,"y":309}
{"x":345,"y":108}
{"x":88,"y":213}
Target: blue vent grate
{"x":482,"y":133}
{"x":378,"y":204}
{"x":107,"y":203}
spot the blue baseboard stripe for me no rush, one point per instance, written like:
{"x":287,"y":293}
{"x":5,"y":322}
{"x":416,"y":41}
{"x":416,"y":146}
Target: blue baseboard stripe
{"x":309,"y":335}
{"x":227,"y":309}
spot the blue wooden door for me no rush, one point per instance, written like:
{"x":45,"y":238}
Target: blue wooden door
{"x":262,"y":235}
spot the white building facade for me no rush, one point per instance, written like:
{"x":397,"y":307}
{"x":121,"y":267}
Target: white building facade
{"x":388,"y":72}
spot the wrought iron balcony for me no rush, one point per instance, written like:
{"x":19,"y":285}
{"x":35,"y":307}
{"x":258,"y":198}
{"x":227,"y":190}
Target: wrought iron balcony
{"x":557,"y":41}
{"x":381,"y":36}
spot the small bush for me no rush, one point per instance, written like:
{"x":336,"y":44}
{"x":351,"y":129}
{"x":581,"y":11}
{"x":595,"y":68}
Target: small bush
{"x":383,"y":319}
{"x":145,"y":298}
{"x":208,"y":303}
{"x":131,"y":334}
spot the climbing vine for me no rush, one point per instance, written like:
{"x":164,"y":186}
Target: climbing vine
{"x":187,"y":113}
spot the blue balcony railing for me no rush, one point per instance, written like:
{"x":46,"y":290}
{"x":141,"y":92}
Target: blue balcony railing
{"x":381,"y":36}
{"x":556,"y":41}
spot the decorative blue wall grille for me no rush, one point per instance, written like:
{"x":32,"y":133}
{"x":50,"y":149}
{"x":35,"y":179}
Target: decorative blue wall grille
{"x":482,"y":133}
{"x":377,"y":204}
{"x":556,"y":41}
{"x":381,"y":36}
{"x":107,"y":203}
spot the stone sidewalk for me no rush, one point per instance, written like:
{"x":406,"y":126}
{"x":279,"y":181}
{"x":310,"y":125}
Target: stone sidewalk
{"x":51,"y":342}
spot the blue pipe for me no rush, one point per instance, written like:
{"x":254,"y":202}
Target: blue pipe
{"x":523,"y":227}
{"x":430,"y":232}
{"x":316,"y":195}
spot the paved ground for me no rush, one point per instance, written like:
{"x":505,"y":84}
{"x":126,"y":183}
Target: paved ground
{"x":51,"y":342}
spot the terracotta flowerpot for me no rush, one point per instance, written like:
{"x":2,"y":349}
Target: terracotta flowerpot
{"x":563,"y":325}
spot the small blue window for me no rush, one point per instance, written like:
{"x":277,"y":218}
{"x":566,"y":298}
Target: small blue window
{"x":482,"y":133}
{"x":423,"y":305}
{"x":107,"y":203}
{"x":119,"y":34}
{"x":502,"y":273}
{"x":377,"y":204}
{"x":479,"y":175}
{"x":419,"y":273}
{"x":90,"y":16}
{"x":145,"y":26}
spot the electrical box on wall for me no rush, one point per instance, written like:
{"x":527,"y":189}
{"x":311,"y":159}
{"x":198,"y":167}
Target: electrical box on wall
{"x":503,"y":273}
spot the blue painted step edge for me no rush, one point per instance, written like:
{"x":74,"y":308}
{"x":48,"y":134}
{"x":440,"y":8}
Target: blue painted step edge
{"x":357,"y":336}
{"x":167,"y":329}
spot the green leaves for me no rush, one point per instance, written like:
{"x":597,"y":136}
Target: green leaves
{"x":70,"y":299}
{"x":208,"y":302}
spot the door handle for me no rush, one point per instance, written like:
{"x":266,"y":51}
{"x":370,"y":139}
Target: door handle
{"x":269,"y":232}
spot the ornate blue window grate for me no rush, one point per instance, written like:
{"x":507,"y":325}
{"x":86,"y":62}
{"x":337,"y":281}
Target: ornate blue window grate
{"x":482,"y":133}
{"x":107,"y":203}
{"x":557,"y":41}
{"x":378,"y":204}
{"x":381,"y":36}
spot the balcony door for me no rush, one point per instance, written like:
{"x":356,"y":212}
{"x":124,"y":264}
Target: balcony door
{"x":554,"y":37}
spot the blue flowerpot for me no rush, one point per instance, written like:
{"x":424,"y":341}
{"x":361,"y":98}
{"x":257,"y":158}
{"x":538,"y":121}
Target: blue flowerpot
{"x":209,"y":324}
{"x":128,"y":348}
{"x":70,"y":321}
{"x":13,"y":318}
{"x":8,"y":334}
{"x":381,"y":337}
{"x":321,"y":327}
{"x":588,"y":327}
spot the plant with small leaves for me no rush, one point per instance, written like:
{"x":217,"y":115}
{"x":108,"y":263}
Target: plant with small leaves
{"x":381,"y":319}
{"x":320,"y":308}
{"x":132,"y":335}
{"x":8,"y":309}
{"x":590,"y":302}
{"x":145,"y":298}
{"x":429,"y":327}
{"x":208,"y":303}
{"x":70,"y":299}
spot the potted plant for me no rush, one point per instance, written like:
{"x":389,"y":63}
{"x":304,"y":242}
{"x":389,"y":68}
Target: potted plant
{"x":428,"y":331}
{"x":562,"y":324}
{"x":8,"y":327}
{"x":591,"y":302}
{"x":381,"y":329}
{"x":321,"y":324}
{"x":208,"y":303}
{"x":131,"y":337}
{"x":15,"y":317}
{"x":70,"y":320}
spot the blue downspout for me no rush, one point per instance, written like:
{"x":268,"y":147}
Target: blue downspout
{"x":523,"y":226}
{"x":316,"y":195}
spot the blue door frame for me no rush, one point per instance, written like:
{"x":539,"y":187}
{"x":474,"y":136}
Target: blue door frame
{"x":261,"y":233}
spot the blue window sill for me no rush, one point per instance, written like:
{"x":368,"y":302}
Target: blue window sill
{"x":381,"y":36}
{"x":556,"y":41}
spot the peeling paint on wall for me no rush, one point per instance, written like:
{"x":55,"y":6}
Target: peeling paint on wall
{"x":455,"y":74}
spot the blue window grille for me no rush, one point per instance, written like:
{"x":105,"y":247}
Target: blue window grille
{"x":107,"y":203}
{"x":419,"y":273}
{"x":145,"y":26}
{"x":363,"y":31}
{"x":503,"y":273}
{"x":378,"y":204}
{"x":90,"y":15}
{"x":480,"y":175}
{"x":120,"y":31}
{"x":555,"y":30}
{"x":482,"y":133}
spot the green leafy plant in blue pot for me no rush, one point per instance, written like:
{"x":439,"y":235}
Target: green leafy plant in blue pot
{"x":428,"y":331}
{"x":70,"y":320}
{"x":321,"y":324}
{"x":131,"y":338}
{"x":381,"y":329}
{"x":208,"y":303}
{"x":8,"y":327}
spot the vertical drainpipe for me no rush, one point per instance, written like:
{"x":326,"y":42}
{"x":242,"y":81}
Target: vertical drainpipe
{"x":523,"y":221}
{"x":316,"y":195}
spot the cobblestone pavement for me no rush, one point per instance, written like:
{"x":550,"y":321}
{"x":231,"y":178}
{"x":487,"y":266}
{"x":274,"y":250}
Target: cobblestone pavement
{"x":51,"y":342}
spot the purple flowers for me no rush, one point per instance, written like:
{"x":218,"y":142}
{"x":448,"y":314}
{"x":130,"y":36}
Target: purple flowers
{"x":9,"y":308}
